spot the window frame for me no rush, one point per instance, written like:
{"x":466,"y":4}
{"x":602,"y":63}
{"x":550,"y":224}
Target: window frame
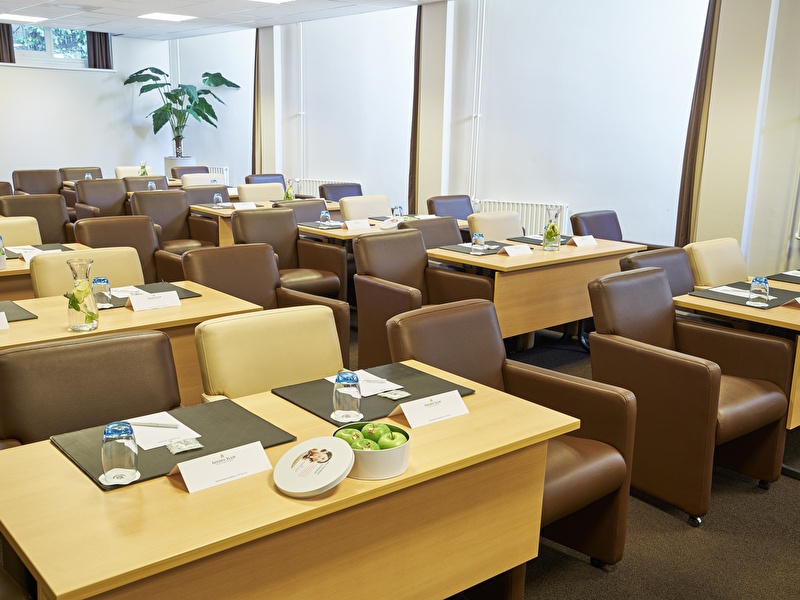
{"x":46,"y":58}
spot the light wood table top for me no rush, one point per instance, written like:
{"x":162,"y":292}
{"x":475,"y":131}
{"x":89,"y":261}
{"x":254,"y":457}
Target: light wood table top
{"x":246,"y":539}
{"x":15,"y":279}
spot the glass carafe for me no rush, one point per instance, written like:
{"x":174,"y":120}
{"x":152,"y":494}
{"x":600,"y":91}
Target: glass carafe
{"x":551,"y":237}
{"x":82,"y":307}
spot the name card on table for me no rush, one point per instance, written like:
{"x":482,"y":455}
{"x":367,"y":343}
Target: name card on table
{"x":152,"y":301}
{"x":434,"y":409}
{"x":243,"y":205}
{"x":26,"y":253}
{"x":515,"y":250}
{"x":357,"y":224}
{"x":221,"y":467}
{"x":582,"y":240}
{"x":3,"y":321}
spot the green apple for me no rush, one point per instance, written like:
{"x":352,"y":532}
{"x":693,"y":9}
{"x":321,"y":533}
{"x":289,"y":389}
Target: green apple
{"x":374,"y":431}
{"x":349,"y":434}
{"x":365,"y":444}
{"x":392,"y":440}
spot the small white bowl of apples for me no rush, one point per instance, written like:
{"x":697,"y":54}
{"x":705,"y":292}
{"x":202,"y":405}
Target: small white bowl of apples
{"x":381,"y":450}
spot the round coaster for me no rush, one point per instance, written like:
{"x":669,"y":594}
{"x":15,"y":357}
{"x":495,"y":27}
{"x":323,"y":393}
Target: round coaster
{"x":313,"y":467}
{"x":102,"y":479}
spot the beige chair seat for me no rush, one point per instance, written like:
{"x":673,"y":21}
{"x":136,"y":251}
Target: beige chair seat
{"x":51,"y":275}
{"x":363,"y":207}
{"x":260,"y":192}
{"x":132,"y":171}
{"x":191,"y":179}
{"x":20,"y":231}
{"x":716,"y":262}
{"x":499,"y":225}
{"x":311,"y":281}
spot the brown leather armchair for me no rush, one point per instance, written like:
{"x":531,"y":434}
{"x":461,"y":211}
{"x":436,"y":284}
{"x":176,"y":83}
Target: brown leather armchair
{"x":588,"y":472}
{"x":178,"y":172}
{"x":707,"y":394}
{"x":266,"y":178}
{"x":204,"y":194}
{"x":333,"y":192}
{"x":305,"y":265}
{"x":50,"y":210}
{"x":6,"y":189}
{"x":392,"y":277}
{"x":457,"y":205}
{"x":180,"y":230}
{"x":74,"y":174}
{"x":100,"y":198}
{"x":304,"y":210}
{"x":139,"y":183}
{"x":136,"y":231}
{"x":40,"y":181}
{"x":674,"y":262}
{"x":250,"y":272}
{"x":602,"y":224}
{"x":442,"y":231}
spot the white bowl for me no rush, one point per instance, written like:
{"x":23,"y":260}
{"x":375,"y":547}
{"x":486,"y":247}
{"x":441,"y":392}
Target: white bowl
{"x":380,"y":464}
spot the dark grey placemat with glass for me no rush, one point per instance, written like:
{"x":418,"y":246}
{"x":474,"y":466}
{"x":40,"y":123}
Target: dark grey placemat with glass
{"x":490,"y":247}
{"x":537,"y":241}
{"x":14,"y":312}
{"x":785,"y":277}
{"x":318,"y":225}
{"x":778,"y":296}
{"x":222,"y":424}
{"x":317,"y":396}
{"x":42,"y":247}
{"x":154,"y":288}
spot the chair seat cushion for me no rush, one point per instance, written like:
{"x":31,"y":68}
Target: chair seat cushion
{"x":578,"y":472}
{"x":182,"y":246}
{"x":311,"y":281}
{"x":746,"y":405}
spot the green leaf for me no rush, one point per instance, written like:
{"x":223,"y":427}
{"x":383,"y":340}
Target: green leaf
{"x":216,"y":80}
{"x":74,"y":304}
{"x":161,"y":117}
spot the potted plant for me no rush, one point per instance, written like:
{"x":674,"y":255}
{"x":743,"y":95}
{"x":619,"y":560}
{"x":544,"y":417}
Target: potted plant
{"x":179,"y":102}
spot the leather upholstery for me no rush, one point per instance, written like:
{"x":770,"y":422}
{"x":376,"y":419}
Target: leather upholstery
{"x":303,"y":345}
{"x":442,"y":231}
{"x":713,"y":396}
{"x":602,"y":224}
{"x":333,"y":192}
{"x":73,"y":397}
{"x":36,"y":181}
{"x":180,"y":230}
{"x":266,"y":178}
{"x":9,"y":589}
{"x":587,"y":475}
{"x":250,"y":272}
{"x":307,"y":266}
{"x":6,"y":189}
{"x":138,"y":183}
{"x":192,"y":179}
{"x":100,"y":198}
{"x":393,"y":277}
{"x":716,"y":262}
{"x":178,"y":172}
{"x":499,"y":225}
{"x":51,"y":275}
{"x":20,"y":231}
{"x":674,"y":262}
{"x":260,"y":192}
{"x":363,"y":207}
{"x":136,"y":231}
{"x":304,"y":210}
{"x":77,"y":173}
{"x":204,"y":194}
{"x":132,"y":171}
{"x":458,"y":206}
{"x":49,"y":210}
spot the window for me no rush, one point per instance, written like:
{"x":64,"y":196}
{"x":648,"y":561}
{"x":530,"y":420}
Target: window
{"x":45,"y":46}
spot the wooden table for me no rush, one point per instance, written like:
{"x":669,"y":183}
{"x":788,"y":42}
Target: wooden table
{"x":15,"y":279}
{"x":543,"y":289}
{"x":178,"y":322}
{"x":467,"y":508}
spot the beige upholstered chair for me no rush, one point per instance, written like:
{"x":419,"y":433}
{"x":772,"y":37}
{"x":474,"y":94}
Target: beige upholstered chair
{"x":272,"y":348}
{"x":190,"y":179}
{"x":132,"y":171}
{"x":496,"y":226}
{"x":51,"y":275}
{"x":260,"y":192}
{"x":20,"y":231}
{"x":363,"y":207}
{"x":716,"y":262}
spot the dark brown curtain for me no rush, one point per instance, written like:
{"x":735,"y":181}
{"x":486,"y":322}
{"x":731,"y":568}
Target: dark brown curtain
{"x":412,"y":164}
{"x":6,"y":43}
{"x":695,"y":136}
{"x":99,"y":47}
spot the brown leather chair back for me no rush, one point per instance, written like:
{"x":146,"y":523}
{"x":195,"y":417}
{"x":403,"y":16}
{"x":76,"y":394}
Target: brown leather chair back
{"x":274,"y":226}
{"x":204,"y":194}
{"x":136,"y":231}
{"x":6,"y":189}
{"x":304,"y":210}
{"x":266,"y":178}
{"x":333,"y":192}
{"x":602,"y":224}
{"x":635,"y":304}
{"x":139,"y":183}
{"x":90,"y":381}
{"x":458,"y":206}
{"x":247,"y":271}
{"x":674,"y":262}
{"x":442,"y":231}
{"x":437,"y":335}
{"x":108,"y":195}
{"x":77,"y":173}
{"x":399,"y":257}
{"x":168,"y":208}
{"x":50,"y":210}
{"x":178,"y":172}
{"x":37,"y":181}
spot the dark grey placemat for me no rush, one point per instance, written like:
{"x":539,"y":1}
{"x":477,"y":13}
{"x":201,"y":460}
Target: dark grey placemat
{"x":781,"y":296}
{"x":468,"y":250}
{"x":154,"y":288}
{"x":14,"y":312}
{"x":318,"y":225}
{"x":62,"y":247}
{"x":537,"y":242}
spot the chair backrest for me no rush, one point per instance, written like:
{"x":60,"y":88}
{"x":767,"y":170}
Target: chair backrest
{"x":190,"y":179}
{"x":496,"y":226}
{"x":138,"y":183}
{"x":363,"y":207}
{"x":108,"y":195}
{"x":37,"y":181}
{"x":333,"y":192}
{"x":76,"y":173}
{"x":716,"y":262}
{"x":6,"y":189}
{"x":304,"y":210}
{"x":20,"y":231}
{"x":168,"y":208}
{"x":399,"y":257}
{"x":49,"y":210}
{"x":274,"y":226}
{"x":178,"y":172}
{"x":635,"y":304}
{"x":90,"y":381}
{"x":674,"y":262}
{"x":204,"y":194}
{"x":135,"y":231}
{"x":266,"y":178}
{"x":458,"y":206}
{"x":460,"y":337}
{"x":247,"y":271}
{"x":256,"y":352}
{"x":602,"y":224}
{"x":260,"y":192}
{"x":132,"y":171}
{"x":51,"y":275}
{"x":441,"y":231}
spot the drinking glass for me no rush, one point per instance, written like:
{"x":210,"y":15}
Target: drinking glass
{"x":102,"y":292}
{"x":151,"y":186}
{"x":346,"y":398}
{"x":120,"y":454}
{"x":759,"y":292}
{"x":477,"y":244}
{"x":217,"y":199}
{"x":87,"y":175}
{"x":397,"y":211}
{"x":324,"y":218}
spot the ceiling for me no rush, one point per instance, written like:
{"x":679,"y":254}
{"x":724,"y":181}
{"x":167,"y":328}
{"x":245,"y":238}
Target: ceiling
{"x":120,"y":17}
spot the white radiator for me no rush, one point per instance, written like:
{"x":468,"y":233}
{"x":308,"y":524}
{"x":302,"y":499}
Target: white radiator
{"x":310,"y":187}
{"x":220,"y":171}
{"x":532,"y":214}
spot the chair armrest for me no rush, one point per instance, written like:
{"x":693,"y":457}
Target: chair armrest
{"x":86,"y":211}
{"x":341,"y":314}
{"x":203,"y":229}
{"x":378,"y":300}
{"x":21,"y":193}
{"x":607,"y":412}
{"x":9,"y":443}
{"x":169,"y":266}
{"x":326,"y":257}
{"x":446,"y":285}
{"x":69,"y":195}
{"x":69,"y":230}
{"x":739,"y":353}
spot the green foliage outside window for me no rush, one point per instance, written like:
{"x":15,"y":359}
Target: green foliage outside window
{"x":29,"y":37}
{"x":69,"y":43}
{"x":66,"y":43}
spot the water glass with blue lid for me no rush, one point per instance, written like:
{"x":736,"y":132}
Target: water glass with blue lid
{"x":346,"y":398}
{"x":120,"y":454}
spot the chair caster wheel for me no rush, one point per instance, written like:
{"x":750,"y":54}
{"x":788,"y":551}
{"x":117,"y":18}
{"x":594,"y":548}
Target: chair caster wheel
{"x":596,"y":562}
{"x":764,"y":485}
{"x":695,"y":521}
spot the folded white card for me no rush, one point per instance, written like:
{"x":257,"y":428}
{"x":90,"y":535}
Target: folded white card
{"x":151,"y":301}
{"x":3,"y":321}
{"x":434,"y":408}
{"x":515,"y":250}
{"x":243,"y":205}
{"x":582,"y":240}
{"x":357,"y":224}
{"x":222,"y":467}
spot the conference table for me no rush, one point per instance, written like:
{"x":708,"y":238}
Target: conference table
{"x":468,"y":508}
{"x":178,"y":322}
{"x":15,"y":279}
{"x":543,"y":289}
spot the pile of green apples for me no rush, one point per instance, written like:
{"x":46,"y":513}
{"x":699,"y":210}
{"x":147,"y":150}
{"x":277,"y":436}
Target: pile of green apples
{"x":371,"y":436}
